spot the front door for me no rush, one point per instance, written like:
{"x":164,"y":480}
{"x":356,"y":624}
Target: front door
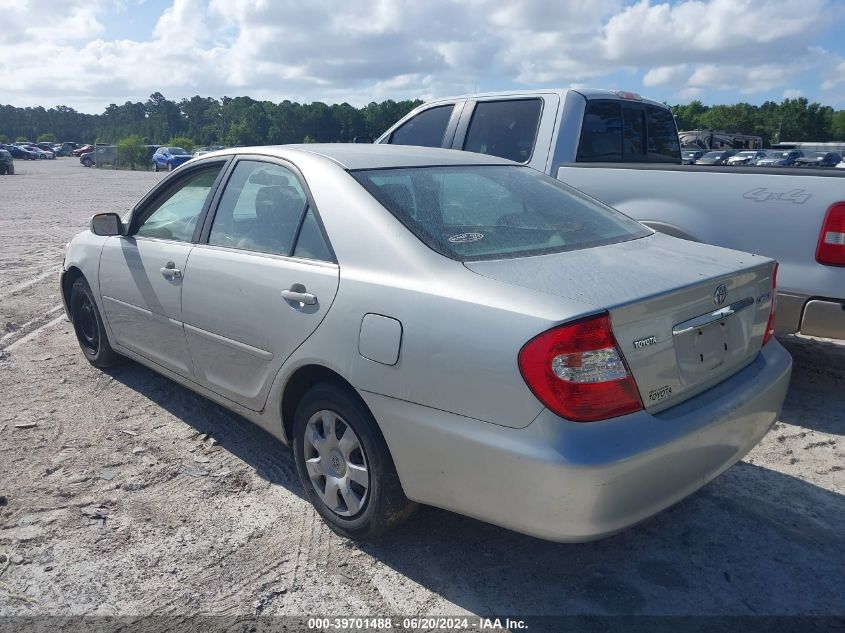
{"x":260,"y":286}
{"x":141,"y":274}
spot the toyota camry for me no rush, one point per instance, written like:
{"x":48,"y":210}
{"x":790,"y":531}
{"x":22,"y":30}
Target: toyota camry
{"x":439,"y":327}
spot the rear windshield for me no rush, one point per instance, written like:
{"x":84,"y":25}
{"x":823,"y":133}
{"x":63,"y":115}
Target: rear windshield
{"x":477,"y":212}
{"x":626,"y":131}
{"x":176,"y":150}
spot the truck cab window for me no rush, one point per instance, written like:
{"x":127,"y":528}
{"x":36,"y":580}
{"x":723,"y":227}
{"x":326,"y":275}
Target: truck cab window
{"x":506,"y":129}
{"x":624,"y":131}
{"x":425,"y":129}
{"x":601,"y":133}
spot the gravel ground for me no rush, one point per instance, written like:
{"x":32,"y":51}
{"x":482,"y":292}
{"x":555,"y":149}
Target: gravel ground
{"x":132,"y":496}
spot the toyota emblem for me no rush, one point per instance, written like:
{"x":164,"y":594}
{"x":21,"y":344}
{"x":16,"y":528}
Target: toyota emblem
{"x":720,"y":294}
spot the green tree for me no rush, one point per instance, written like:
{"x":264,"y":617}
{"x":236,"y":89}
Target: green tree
{"x":20,"y":139}
{"x":4,"y":138}
{"x":47,"y":137}
{"x":131,"y":151}
{"x":837,"y":126}
{"x":184,"y":142}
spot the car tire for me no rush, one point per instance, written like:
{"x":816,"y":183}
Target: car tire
{"x":10,"y":170}
{"x":88,"y":327}
{"x":169,"y":166}
{"x":383,"y":504}
{"x":155,"y":166}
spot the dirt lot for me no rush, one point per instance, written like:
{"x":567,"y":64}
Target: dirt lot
{"x":134,"y":496}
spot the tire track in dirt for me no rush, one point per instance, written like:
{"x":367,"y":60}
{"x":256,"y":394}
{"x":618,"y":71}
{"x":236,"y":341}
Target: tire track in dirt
{"x":31,"y":329}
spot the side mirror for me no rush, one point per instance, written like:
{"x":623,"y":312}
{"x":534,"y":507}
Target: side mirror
{"x":362,"y":139}
{"x":106,"y":224}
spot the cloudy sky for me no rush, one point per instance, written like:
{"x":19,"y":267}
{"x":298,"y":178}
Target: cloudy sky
{"x":89,"y":53}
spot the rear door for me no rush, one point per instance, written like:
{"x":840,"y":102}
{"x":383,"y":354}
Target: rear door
{"x":260,"y":283}
{"x":141,"y":274}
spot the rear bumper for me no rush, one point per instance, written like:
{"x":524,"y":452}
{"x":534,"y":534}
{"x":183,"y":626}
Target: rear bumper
{"x":565,"y":481}
{"x":811,"y":316}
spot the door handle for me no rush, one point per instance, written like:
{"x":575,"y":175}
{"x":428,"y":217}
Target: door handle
{"x":169,"y":271}
{"x":297,"y":293}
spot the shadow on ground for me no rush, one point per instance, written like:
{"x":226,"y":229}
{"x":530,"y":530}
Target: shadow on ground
{"x":816,"y":396}
{"x":753,"y":542}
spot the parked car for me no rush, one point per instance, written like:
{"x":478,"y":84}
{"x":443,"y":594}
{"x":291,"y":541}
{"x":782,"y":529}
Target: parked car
{"x":417,"y":315}
{"x":689,"y":156}
{"x":780,"y":158}
{"x":42,"y":153}
{"x":718,"y":157}
{"x":841,"y":164}
{"x":819,"y":159}
{"x":7,"y":163}
{"x":85,"y":149}
{"x":746,"y":157}
{"x":64,"y":149}
{"x":169,"y":158}
{"x":102,"y":157}
{"x":19,"y":152}
{"x":202,"y":151}
{"x":795,"y":216}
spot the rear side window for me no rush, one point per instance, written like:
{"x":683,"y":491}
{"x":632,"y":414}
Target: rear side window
{"x":478,"y":212}
{"x":506,"y":129}
{"x":427,"y":129}
{"x":621,"y":131}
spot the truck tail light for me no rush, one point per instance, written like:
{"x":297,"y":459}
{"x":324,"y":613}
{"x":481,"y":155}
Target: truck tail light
{"x":770,"y":326}
{"x":577,"y":371}
{"x":831,"y":248}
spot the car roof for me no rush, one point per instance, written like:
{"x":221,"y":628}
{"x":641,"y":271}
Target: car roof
{"x":352,"y":156}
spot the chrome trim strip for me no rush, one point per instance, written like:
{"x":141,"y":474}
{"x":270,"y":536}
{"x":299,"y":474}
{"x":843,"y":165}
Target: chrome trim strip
{"x":712,"y":317}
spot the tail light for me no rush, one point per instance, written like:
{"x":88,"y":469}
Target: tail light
{"x":578,"y":372}
{"x":831,"y":248}
{"x":770,"y":326}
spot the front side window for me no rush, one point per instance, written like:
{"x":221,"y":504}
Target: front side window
{"x":260,"y":209}
{"x":426,"y":129}
{"x":506,"y":129}
{"x":175,"y":216}
{"x":495,"y":211}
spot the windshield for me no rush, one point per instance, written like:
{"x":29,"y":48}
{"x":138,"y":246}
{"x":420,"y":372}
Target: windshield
{"x":495,"y":211}
{"x":747,"y":154}
{"x":176,"y":150}
{"x":818,"y":155}
{"x":713,"y":155}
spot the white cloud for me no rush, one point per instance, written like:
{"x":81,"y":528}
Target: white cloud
{"x":662,"y":75}
{"x":361,"y":50}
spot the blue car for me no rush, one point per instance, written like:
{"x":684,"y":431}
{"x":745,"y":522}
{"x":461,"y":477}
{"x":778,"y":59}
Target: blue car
{"x":169,"y":158}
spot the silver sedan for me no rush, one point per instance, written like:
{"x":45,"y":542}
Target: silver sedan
{"x":439,"y":327}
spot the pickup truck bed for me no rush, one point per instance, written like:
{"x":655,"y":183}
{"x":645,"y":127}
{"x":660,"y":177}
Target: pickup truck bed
{"x":776,"y":212}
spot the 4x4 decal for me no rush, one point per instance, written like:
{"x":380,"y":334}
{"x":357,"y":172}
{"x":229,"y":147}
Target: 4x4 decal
{"x":761,"y":194}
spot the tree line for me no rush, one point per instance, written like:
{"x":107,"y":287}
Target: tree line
{"x":789,"y":120}
{"x":245,"y":121}
{"x":206,"y":121}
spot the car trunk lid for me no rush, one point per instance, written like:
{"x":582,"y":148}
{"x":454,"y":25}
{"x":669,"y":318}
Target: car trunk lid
{"x":685,"y":315}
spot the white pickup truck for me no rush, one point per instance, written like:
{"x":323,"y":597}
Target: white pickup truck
{"x":623,"y":150}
